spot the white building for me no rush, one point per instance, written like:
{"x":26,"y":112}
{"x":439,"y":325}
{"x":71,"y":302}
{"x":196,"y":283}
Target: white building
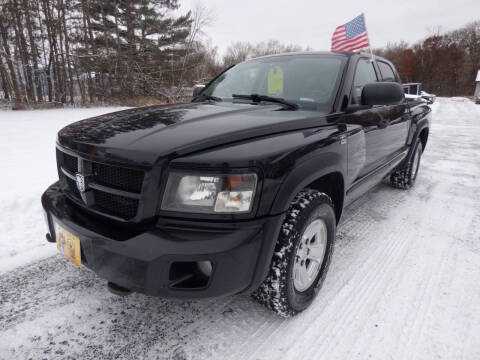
{"x":477,"y":87}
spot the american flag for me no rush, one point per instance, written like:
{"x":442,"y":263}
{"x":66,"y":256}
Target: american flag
{"x":351,"y":36}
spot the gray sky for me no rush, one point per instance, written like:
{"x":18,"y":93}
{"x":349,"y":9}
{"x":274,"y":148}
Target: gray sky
{"x":312,"y":22}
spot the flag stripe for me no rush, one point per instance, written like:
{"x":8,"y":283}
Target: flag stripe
{"x":341,"y":42}
{"x":360,"y":46}
{"x":362,"y":43}
{"x":346,"y":45}
{"x":339,"y":36}
{"x":352,"y":42}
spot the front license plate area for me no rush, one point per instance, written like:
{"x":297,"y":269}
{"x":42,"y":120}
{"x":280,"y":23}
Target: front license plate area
{"x":68,"y":244}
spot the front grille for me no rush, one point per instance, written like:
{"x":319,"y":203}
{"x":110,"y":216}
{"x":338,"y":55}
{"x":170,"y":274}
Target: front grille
{"x":72,"y":185}
{"x":70,"y":163}
{"x":116,"y":205}
{"x":119,"y":178}
{"x":108,"y":200}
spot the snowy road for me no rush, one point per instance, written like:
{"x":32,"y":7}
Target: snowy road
{"x":404,"y":282}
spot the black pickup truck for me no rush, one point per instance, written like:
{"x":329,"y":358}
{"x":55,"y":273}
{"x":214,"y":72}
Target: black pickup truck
{"x":241,"y":190}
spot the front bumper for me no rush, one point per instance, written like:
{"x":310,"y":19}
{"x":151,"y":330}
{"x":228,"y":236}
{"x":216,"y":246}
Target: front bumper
{"x":141,"y":257}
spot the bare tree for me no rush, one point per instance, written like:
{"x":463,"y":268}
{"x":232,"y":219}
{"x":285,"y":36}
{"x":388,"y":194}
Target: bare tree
{"x":445,"y":63}
{"x":237,"y":52}
{"x":33,"y":47}
{"x":241,"y":51}
{"x":12,"y":76}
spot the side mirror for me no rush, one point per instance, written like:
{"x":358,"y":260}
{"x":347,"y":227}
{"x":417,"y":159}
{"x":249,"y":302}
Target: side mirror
{"x":197,"y":89}
{"x":383,"y":93}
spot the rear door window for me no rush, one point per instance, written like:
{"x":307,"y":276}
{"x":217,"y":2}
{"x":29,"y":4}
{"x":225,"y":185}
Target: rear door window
{"x":387,"y":72}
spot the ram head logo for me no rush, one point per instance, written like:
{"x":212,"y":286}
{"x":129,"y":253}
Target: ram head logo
{"x":80,"y":181}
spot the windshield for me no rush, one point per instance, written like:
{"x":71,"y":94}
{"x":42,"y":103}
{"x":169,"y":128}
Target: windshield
{"x":306,"y":80}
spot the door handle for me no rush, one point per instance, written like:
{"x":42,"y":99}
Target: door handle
{"x":382,"y":124}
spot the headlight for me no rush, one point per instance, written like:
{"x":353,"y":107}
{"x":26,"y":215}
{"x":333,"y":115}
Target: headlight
{"x":209,"y":194}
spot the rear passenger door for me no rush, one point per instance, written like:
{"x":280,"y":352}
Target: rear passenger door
{"x":396,"y":115}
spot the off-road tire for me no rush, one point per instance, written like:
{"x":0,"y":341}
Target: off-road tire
{"x":277,"y":292}
{"x":405,"y":178}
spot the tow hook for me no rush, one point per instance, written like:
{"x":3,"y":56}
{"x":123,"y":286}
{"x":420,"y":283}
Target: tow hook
{"x":118,"y":290}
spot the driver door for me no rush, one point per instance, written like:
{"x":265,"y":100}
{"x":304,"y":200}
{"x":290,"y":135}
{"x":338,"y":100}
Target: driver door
{"x":374,"y":121}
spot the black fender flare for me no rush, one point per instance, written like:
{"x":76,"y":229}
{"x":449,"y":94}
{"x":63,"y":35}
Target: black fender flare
{"x":420,"y":125}
{"x":304,"y":174}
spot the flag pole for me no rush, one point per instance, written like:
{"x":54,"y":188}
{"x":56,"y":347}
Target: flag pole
{"x":368,"y":37}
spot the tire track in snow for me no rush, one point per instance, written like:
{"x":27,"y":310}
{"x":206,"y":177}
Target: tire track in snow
{"x":351,"y":273}
{"x":107,"y":314}
{"x":423,"y":307}
{"x":367,"y":284}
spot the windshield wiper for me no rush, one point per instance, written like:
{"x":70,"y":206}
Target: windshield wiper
{"x":207,"y":97}
{"x":257,"y":98}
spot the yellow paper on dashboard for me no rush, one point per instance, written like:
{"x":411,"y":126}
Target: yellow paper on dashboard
{"x":275,"y":81}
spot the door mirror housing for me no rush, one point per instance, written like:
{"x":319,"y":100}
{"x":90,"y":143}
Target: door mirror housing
{"x":383,"y":93}
{"x":197,"y":89}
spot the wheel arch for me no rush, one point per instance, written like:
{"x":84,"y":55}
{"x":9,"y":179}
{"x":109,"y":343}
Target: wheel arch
{"x":333,"y":185}
{"x":421,"y":130}
{"x":329,"y":180}
{"x":423,"y":136}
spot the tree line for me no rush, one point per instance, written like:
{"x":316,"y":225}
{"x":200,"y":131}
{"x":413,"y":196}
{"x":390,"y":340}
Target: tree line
{"x":82,"y":52}
{"x":445,"y":63}
{"x":92,"y":51}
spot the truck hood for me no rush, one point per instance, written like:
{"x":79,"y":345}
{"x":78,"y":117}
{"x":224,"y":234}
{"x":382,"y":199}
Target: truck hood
{"x":141,"y":136}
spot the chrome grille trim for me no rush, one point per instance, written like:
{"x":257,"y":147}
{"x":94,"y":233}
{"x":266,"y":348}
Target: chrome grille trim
{"x":118,"y":205}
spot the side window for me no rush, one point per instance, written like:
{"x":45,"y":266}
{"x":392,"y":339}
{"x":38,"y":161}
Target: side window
{"x":364,"y":74}
{"x":387,"y":72}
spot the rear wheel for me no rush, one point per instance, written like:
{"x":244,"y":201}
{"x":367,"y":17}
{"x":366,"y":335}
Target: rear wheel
{"x":405,"y":178}
{"x":302,"y":254}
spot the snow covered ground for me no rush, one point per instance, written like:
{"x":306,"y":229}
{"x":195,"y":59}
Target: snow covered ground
{"x":404,"y":282}
{"x":27,"y":163}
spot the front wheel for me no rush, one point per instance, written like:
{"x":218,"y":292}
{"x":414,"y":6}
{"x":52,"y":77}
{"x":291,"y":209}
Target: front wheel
{"x":302,"y":254}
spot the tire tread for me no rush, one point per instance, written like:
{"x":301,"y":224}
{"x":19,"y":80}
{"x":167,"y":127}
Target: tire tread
{"x":401,"y":178}
{"x":272,"y":293}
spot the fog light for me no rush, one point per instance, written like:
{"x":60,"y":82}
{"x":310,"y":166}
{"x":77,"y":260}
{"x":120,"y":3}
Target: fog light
{"x":205,"y":267}
{"x":190,"y":274}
